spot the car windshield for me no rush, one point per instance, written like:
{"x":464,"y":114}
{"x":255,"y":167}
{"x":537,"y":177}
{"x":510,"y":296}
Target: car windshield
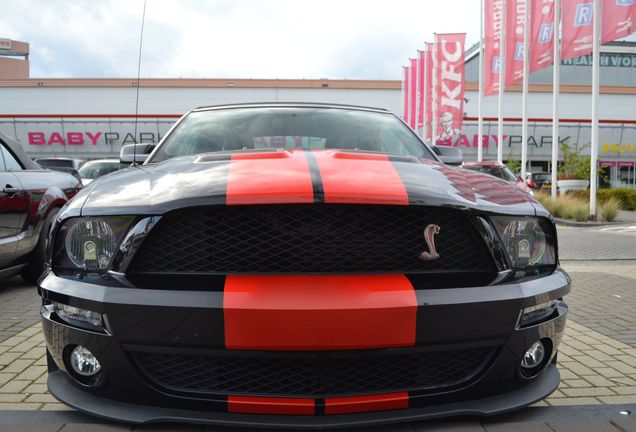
{"x":290,"y":127}
{"x":498,"y":171}
{"x":92,"y":170}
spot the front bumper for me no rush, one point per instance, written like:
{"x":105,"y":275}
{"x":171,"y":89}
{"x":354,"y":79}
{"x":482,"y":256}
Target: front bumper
{"x":169,"y":321}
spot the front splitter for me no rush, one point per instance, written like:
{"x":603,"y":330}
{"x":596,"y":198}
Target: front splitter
{"x":109,"y":409}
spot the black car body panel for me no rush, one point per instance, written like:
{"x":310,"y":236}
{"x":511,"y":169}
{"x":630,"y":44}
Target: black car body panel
{"x":304,"y":288}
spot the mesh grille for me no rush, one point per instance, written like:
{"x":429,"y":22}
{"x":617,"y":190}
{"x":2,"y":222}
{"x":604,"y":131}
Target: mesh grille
{"x":309,"y":239}
{"x":318,"y":375}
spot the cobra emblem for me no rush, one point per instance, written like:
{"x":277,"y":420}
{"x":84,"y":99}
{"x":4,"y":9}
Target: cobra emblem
{"x":429,"y":235}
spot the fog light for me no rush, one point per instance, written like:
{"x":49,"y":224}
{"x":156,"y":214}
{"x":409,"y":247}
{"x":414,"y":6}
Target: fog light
{"x":534,"y":356}
{"x":84,"y":362}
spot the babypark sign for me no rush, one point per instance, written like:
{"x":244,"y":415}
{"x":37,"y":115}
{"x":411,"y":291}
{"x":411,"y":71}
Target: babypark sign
{"x":89,"y":138}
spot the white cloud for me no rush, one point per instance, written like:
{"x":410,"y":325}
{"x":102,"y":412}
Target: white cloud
{"x":353,"y":39}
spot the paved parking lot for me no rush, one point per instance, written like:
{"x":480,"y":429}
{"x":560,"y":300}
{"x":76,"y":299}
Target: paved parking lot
{"x":597,"y":358}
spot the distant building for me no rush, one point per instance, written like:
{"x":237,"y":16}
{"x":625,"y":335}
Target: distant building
{"x":93,"y":118}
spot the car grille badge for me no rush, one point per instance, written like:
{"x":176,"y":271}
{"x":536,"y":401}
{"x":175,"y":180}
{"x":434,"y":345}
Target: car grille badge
{"x":429,"y":235}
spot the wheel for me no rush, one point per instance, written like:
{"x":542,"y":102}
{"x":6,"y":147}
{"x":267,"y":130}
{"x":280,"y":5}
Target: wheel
{"x":33,"y":270}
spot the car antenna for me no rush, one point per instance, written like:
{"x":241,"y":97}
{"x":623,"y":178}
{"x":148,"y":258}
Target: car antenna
{"x":141,"y":40}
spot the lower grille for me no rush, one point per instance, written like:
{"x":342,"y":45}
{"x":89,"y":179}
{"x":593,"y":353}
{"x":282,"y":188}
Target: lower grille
{"x":315,"y":375}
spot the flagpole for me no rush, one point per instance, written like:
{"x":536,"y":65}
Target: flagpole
{"x":555,"y":99}
{"x":502,"y":72}
{"x":425,"y":98}
{"x":596,"y":25}
{"x":480,"y":99}
{"x":524,"y":97}
{"x":434,"y":101}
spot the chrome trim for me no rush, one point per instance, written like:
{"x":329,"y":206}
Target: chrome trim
{"x":130,"y":244}
{"x":501,"y":276}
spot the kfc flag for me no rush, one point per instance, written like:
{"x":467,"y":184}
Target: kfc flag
{"x":515,"y":26}
{"x":617,"y":18}
{"x":405,"y":93}
{"x":421,"y":67}
{"x":451,"y":78}
{"x":576,"y":28}
{"x":541,"y":34}
{"x":492,"y":46}
{"x":412,"y":92}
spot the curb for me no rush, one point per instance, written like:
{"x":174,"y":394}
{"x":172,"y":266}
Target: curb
{"x":571,"y":223}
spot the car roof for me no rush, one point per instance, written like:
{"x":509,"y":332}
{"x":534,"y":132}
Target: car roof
{"x":19,"y":152}
{"x":103,"y":160}
{"x":291,"y":105}
{"x":486,"y":164}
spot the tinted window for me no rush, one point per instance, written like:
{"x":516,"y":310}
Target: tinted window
{"x":10,"y":162}
{"x":55,"y":163}
{"x":307,"y":128}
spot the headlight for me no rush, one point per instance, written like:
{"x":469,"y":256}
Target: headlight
{"x":529,"y":241}
{"x":89,"y":243}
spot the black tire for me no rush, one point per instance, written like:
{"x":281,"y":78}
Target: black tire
{"x":33,"y":270}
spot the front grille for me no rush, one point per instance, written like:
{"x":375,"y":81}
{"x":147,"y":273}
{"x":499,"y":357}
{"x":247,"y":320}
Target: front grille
{"x":315,"y":375}
{"x":310,"y":239}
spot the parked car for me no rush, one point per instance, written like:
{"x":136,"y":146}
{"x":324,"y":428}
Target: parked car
{"x":29,"y":201}
{"x":537,"y":180}
{"x":54,"y":163}
{"x":97,"y":168}
{"x":301,"y":265}
{"x":500,"y":171}
{"x":65,"y":165}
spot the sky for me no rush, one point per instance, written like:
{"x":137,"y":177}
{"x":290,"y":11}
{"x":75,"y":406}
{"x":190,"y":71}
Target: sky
{"x":311,"y":39}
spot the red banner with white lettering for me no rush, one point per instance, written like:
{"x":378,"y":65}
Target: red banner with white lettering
{"x":413,"y":92}
{"x":405,"y":93}
{"x":421,"y":68}
{"x":451,"y":79}
{"x":515,"y":26}
{"x":617,"y":19}
{"x":429,"y":87}
{"x":541,"y":34}
{"x":576,"y":28}
{"x":492,"y":46}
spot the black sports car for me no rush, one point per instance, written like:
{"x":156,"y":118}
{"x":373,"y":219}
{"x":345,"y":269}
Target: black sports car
{"x":30,"y":197}
{"x":301,"y":265}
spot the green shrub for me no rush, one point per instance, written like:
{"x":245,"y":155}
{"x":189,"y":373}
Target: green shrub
{"x":627,"y":197}
{"x":608,"y":210}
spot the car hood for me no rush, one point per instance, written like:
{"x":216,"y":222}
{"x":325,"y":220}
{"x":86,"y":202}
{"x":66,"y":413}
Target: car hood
{"x":300,"y":176}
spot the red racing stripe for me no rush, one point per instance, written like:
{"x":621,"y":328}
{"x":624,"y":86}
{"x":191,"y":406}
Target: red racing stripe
{"x":280,"y":177}
{"x":319,"y":312}
{"x":360,"y":178}
{"x":357,"y":404}
{"x":270,"y":405}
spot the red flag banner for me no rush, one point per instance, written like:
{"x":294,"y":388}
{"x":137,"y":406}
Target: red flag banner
{"x":541,"y":34}
{"x":617,"y":19}
{"x":576,"y":28}
{"x":413,"y":92}
{"x":515,"y":26}
{"x":421,"y":67}
{"x":429,"y":88}
{"x":450,"y":103}
{"x":405,"y":93}
{"x":492,"y":46}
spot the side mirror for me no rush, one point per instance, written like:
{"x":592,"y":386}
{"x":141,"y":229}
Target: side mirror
{"x":449,"y":155}
{"x":135,"y":153}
